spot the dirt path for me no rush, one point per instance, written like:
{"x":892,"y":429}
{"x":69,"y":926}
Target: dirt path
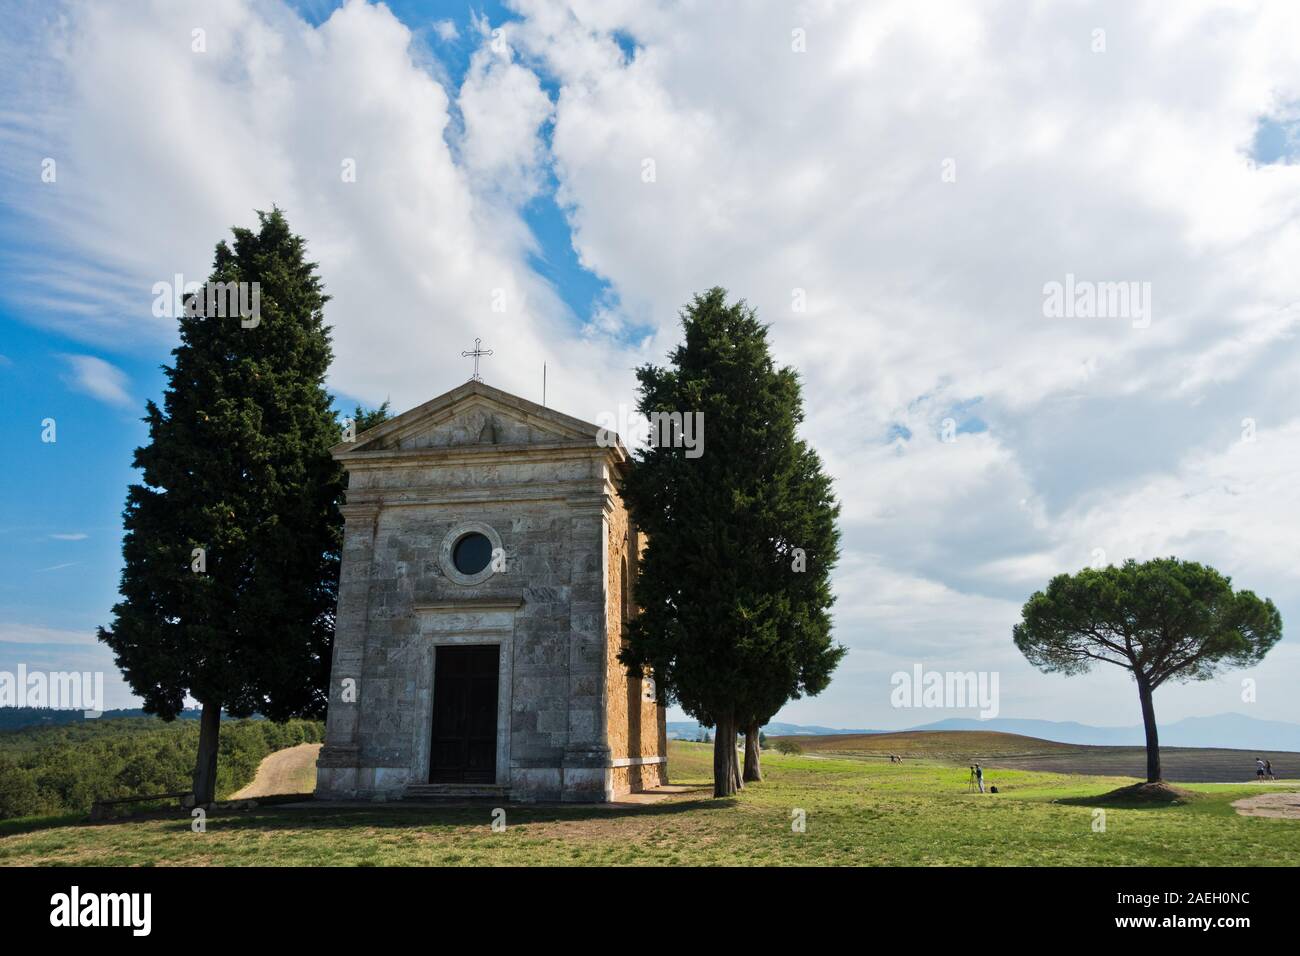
{"x":286,"y":771}
{"x":1285,"y":805}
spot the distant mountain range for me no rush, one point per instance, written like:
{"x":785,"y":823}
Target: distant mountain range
{"x":1231,"y":731}
{"x":15,"y":718}
{"x":690,"y":730}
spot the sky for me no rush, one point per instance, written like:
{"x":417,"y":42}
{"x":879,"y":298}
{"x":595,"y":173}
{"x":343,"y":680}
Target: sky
{"x":894,"y":187}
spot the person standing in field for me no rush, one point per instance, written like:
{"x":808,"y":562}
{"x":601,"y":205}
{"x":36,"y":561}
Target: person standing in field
{"x":1259,"y":768}
{"x":1268,"y":770}
{"x":979,"y":777}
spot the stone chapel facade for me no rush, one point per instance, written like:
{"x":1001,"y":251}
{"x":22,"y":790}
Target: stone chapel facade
{"x":485,"y":578}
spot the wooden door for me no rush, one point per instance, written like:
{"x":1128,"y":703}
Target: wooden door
{"x":465,"y":678}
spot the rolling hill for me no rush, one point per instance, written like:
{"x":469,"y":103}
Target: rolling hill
{"x":1233,"y":731}
{"x":934,"y":745}
{"x":996,"y":750}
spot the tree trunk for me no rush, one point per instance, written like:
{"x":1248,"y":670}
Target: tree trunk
{"x":724,"y":757}
{"x":205,"y":766}
{"x":1149,"y":723}
{"x":753,"y":769}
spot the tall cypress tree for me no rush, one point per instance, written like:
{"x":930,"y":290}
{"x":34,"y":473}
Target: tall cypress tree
{"x":799,"y":657}
{"x":232,"y":539}
{"x":734,"y":582}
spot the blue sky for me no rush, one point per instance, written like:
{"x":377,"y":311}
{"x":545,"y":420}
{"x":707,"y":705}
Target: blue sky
{"x":61,"y":524}
{"x":790,"y":176}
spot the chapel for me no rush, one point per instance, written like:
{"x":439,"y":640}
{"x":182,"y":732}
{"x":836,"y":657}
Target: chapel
{"x":485,"y":582}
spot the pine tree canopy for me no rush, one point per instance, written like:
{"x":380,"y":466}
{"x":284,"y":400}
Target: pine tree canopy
{"x":1163,"y":619}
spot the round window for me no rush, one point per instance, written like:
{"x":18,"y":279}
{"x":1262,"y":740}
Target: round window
{"x":472,"y":553}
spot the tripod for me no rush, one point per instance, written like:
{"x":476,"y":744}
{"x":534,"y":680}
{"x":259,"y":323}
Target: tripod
{"x":972,"y":784}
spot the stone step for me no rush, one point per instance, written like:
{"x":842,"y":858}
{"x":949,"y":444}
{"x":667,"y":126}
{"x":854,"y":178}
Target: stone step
{"x":456,"y":791}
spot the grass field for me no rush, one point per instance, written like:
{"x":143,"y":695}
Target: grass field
{"x":857,"y":813}
{"x":1016,"y":752}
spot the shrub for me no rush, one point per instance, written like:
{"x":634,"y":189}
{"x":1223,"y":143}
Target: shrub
{"x":19,"y":796}
{"x":65,"y":768}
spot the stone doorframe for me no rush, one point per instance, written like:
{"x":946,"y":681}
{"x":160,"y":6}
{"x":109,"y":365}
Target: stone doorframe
{"x":471,"y":621}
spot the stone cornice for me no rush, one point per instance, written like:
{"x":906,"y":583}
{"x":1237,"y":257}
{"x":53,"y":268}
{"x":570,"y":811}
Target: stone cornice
{"x":360,"y":509}
{"x":472,"y":604}
{"x":595,"y":503}
{"x":576,"y":491}
{"x":479,"y":454}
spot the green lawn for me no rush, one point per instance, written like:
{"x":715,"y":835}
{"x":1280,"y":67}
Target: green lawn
{"x":857,"y":813}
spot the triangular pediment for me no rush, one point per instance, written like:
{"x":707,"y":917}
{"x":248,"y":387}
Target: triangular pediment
{"x":474,"y":415}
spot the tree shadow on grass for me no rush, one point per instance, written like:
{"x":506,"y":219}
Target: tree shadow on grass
{"x":300,"y":812}
{"x":20,"y":825}
{"x":404,"y":816}
{"x":1138,"y":796}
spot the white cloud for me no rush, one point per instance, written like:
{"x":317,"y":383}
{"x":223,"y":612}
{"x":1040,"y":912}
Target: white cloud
{"x":70,"y":536}
{"x":413,"y":252}
{"x":1234,"y":507}
{"x":98,"y":378}
{"x":503,"y":106}
{"x":14,"y":633}
{"x":446,"y":30}
{"x":818,"y":176}
{"x":788,"y":177}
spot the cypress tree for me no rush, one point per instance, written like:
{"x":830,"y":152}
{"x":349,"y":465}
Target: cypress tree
{"x":232,"y":538}
{"x":734,"y":581}
{"x":800,"y":657}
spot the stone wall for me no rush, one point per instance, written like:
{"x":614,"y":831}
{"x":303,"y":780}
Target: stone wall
{"x":396,"y":669}
{"x":392,"y":575}
{"x":637,"y":729}
{"x":540,"y":488}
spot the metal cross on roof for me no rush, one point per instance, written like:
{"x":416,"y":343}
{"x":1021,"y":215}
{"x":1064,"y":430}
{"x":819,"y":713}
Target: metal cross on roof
{"x":476,"y":353}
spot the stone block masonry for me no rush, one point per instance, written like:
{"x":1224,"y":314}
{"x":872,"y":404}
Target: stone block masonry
{"x":566,"y":722}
